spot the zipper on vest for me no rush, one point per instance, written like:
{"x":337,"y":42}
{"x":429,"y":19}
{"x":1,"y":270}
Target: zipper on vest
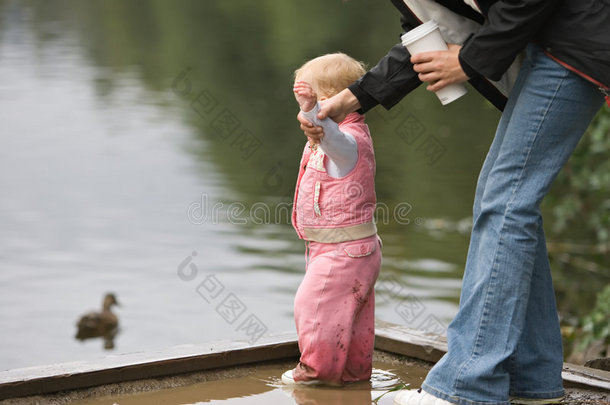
{"x":606,"y":93}
{"x":316,"y":199}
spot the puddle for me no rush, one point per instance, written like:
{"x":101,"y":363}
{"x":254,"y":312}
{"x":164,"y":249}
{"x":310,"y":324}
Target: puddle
{"x":263,"y":386}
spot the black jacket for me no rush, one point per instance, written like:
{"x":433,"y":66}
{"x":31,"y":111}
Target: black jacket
{"x":576,"y":33}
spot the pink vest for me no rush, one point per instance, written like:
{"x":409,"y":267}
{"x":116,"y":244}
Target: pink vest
{"x":331,"y":210}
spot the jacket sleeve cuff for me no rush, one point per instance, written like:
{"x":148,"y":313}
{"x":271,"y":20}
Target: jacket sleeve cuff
{"x":466,"y":67}
{"x":469,"y":70}
{"x":366,"y":101}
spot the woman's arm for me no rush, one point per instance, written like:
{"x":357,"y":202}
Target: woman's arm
{"x":392,"y":78}
{"x":509,"y":26}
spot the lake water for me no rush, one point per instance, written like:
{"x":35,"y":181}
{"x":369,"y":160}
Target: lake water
{"x":150,"y":149}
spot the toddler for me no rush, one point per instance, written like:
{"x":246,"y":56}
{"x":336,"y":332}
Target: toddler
{"x":334,"y":204}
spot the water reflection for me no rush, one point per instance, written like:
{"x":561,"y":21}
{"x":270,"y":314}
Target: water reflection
{"x":312,"y":396}
{"x":382,"y":383}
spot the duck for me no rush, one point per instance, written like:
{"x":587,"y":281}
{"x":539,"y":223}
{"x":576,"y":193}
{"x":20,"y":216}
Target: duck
{"x":96,"y":324}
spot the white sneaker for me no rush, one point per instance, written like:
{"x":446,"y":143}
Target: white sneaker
{"x":418,"y":397}
{"x":288,"y":379}
{"x":535,"y":401}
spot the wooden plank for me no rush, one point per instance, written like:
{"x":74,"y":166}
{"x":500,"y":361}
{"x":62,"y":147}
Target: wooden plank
{"x":430,"y":347}
{"x":586,"y":376}
{"x":130,"y":367}
{"x":217,"y":355}
{"x":409,"y":342}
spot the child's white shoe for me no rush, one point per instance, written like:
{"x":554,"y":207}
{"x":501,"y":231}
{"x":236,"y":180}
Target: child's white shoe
{"x":418,"y":397}
{"x":288,"y":379}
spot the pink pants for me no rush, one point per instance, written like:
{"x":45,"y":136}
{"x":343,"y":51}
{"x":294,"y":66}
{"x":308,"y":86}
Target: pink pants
{"x":334,"y":311}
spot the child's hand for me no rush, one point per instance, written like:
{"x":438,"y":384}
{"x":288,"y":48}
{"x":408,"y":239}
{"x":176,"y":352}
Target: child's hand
{"x":305,"y":95}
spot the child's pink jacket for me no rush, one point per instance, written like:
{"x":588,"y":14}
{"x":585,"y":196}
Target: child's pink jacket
{"x":332,"y":210}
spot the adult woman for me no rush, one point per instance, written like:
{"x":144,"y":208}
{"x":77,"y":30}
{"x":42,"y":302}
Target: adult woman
{"x":505,"y":340}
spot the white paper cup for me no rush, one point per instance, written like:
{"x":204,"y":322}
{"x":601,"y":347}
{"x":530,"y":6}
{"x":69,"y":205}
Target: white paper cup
{"x":427,"y":37}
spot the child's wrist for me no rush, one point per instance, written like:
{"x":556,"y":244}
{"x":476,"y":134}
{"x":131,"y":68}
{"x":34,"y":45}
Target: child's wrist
{"x":311,"y":114}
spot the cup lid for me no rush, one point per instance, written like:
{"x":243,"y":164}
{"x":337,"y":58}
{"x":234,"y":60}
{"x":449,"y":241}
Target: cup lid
{"x":418,"y":32}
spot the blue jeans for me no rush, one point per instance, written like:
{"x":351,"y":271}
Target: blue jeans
{"x":505,"y":340}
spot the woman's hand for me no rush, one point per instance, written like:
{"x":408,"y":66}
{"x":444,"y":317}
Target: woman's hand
{"x":439,"y":68}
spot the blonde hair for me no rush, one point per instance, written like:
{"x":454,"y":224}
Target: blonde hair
{"x":329,"y":74}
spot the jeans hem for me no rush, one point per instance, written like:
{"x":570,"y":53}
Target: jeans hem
{"x":538,"y":394}
{"x":459,"y":400}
